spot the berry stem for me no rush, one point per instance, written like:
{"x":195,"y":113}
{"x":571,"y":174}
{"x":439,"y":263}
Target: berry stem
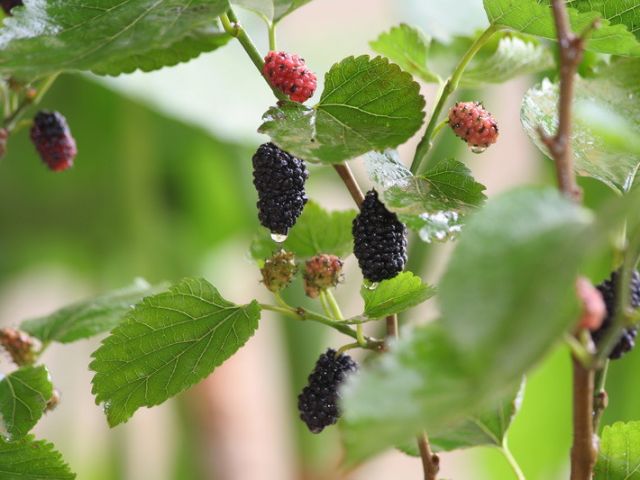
{"x":447,"y":89}
{"x":350,"y":182}
{"x":325,"y":305}
{"x":303,"y":314}
{"x":333,"y":305}
{"x":273,"y":46}
{"x":600,"y":399}
{"x":233,"y":28}
{"x":12,"y":119}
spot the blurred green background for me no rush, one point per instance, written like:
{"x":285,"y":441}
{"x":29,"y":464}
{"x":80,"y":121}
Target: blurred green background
{"x":162,"y":189}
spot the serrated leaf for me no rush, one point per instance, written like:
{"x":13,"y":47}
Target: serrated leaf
{"x":617,"y":12}
{"x":514,"y":56}
{"x":409,"y":48}
{"x":615,"y":88}
{"x":395,"y":295}
{"x":434,"y":204}
{"x":169,"y":342}
{"x":23,"y":398}
{"x":535,"y":18}
{"x":367,"y":104}
{"x":316,"y":231}
{"x":274,"y":10}
{"x":47,"y":37}
{"x":488,"y":427}
{"x":89,"y":317}
{"x":385,"y":169}
{"x":619,"y":453}
{"x":30,"y":459}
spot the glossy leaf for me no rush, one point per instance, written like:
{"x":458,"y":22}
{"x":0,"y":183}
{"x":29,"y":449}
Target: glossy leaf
{"x":110,"y":38}
{"x":30,"y":459}
{"x":169,"y":342}
{"x":273,"y":10}
{"x":23,"y":397}
{"x":616,"y":89}
{"x":385,"y":168}
{"x":367,"y":104}
{"x":89,"y":317}
{"x":395,"y":295}
{"x":409,"y":48}
{"x":533,"y":17}
{"x":488,"y":427}
{"x":619,"y":453}
{"x":316,"y":231}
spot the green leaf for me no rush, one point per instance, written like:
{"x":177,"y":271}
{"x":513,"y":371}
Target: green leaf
{"x":619,"y":454}
{"x":169,"y":342}
{"x":90,"y":317}
{"x":615,"y":88}
{"x":617,"y":12}
{"x":395,"y":295}
{"x":367,"y":104}
{"x":23,"y":397}
{"x":117,"y":36}
{"x":496,"y":322}
{"x":514,"y":55}
{"x":488,"y":427}
{"x":409,"y":48}
{"x":535,"y":18}
{"x":435,"y":203}
{"x":30,"y":459}
{"x":385,"y":169}
{"x":316,"y":231}
{"x":274,"y":10}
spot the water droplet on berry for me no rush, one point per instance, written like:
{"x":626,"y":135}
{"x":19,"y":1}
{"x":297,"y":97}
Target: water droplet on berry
{"x":370,"y":285}
{"x":278,"y":237}
{"x":477,"y":149}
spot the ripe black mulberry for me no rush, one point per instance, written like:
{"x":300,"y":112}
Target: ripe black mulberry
{"x":52,"y":138}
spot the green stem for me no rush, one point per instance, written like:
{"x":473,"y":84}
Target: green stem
{"x":272,"y":37}
{"x":12,"y":119}
{"x":599,"y":395}
{"x":234,"y":29}
{"x":360,"y":334}
{"x":513,"y":463}
{"x":302,"y":314}
{"x":449,"y":87}
{"x":333,"y":305}
{"x":325,"y":305}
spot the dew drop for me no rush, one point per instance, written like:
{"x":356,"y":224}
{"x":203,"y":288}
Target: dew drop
{"x":370,"y":285}
{"x":477,"y":149}
{"x":278,"y":237}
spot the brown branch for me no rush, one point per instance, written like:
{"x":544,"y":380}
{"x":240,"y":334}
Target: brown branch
{"x":583,"y":451}
{"x":430,"y":461}
{"x":350,"y":182}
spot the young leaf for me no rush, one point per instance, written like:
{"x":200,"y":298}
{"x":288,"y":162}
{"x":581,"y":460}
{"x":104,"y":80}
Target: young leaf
{"x":534,"y":17}
{"x":30,"y":459}
{"x":514,"y":56}
{"x":433,"y":204}
{"x":385,"y":168}
{"x":488,"y":427}
{"x":274,"y":10}
{"x":615,"y":88}
{"x":395,"y":295}
{"x":90,"y":317}
{"x":23,"y":398}
{"x":48,"y":37}
{"x":316,"y":231}
{"x":169,"y":342}
{"x":409,"y":48}
{"x":619,"y":454}
{"x":367,"y":104}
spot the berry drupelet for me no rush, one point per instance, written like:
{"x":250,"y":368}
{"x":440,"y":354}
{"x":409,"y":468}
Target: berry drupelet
{"x":52,"y":138}
{"x":289,"y":74}
{"x":318,"y":402}
{"x":608,"y":289}
{"x":279,"y":179}
{"x":472,"y":123}
{"x":380,"y":240}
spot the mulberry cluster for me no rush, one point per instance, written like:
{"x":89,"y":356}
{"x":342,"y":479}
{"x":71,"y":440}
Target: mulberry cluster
{"x":289,"y":74}
{"x":471,"y":122}
{"x":318,"y":401}
{"x":52,"y":138}
{"x":608,"y":290}
{"x":279,"y":270}
{"x":321,"y":272}
{"x":20,"y":346}
{"x":279,"y":179}
{"x":380,"y":240}
{"x":7,"y":5}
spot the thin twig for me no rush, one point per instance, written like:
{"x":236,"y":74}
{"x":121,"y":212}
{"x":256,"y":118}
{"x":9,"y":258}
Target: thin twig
{"x":350,"y":182}
{"x":583,"y":452}
{"x":430,"y":461}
